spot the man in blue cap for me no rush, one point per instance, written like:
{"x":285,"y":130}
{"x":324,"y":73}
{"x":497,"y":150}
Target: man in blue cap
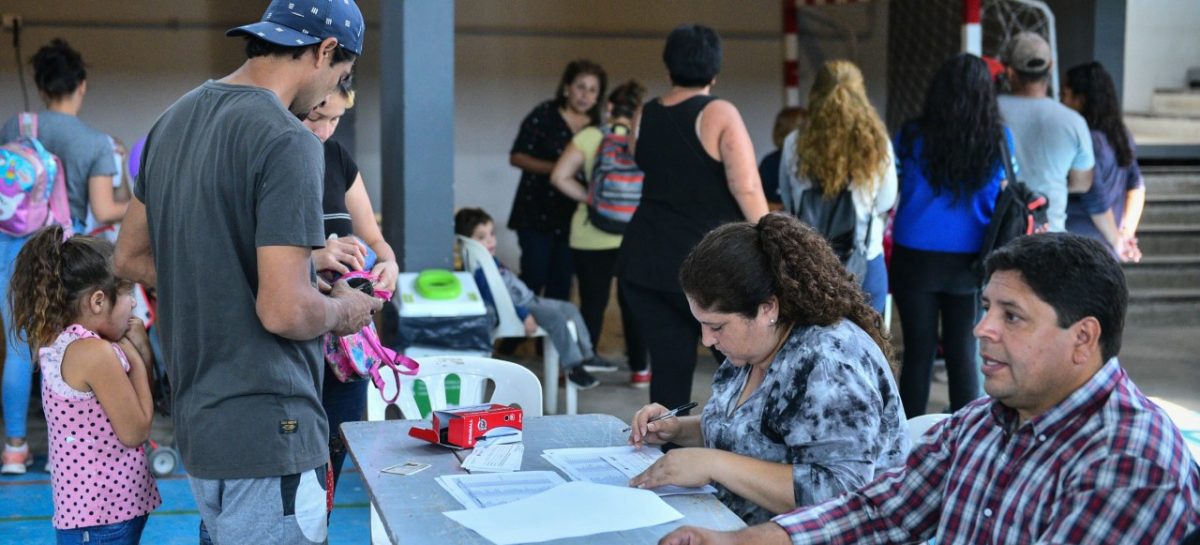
{"x":227,"y":211}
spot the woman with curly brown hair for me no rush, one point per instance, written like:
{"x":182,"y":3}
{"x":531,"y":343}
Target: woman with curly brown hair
{"x":845,"y":147}
{"x":805,"y":406}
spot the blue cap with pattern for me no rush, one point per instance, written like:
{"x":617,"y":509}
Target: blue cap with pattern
{"x":300,"y":23}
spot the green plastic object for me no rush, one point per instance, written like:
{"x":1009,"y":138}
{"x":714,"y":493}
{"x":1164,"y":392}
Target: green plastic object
{"x":438,"y":285}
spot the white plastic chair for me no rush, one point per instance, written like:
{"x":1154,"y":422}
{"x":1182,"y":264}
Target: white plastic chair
{"x":475,"y":257}
{"x":918,"y":425}
{"x":513,"y":385}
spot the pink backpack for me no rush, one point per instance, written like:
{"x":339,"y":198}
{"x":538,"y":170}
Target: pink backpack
{"x":33,"y":188}
{"x":361,"y":355}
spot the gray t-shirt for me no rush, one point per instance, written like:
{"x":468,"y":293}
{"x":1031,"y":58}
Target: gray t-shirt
{"x":828,"y":406}
{"x":227,"y":170}
{"x":1051,"y":139}
{"x":84,"y":151}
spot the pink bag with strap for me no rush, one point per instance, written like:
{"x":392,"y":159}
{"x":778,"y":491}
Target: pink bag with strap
{"x":361,"y":355}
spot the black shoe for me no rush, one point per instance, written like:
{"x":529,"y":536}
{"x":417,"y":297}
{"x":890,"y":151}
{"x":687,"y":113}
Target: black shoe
{"x":599,"y":365}
{"x":581,"y":378}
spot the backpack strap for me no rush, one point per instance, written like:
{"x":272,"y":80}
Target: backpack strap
{"x":27,"y":123}
{"x":1006,"y":159}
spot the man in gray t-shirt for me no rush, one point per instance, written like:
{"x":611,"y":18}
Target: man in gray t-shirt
{"x":1054,"y":147}
{"x":226,"y":212}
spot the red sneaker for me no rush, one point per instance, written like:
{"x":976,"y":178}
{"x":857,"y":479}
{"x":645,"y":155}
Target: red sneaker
{"x":640,"y":379}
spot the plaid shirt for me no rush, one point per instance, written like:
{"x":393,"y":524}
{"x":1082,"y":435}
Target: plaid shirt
{"x":1103,"y":466}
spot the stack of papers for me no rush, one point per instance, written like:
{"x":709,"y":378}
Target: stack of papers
{"x":489,"y":490}
{"x":495,"y":458}
{"x":568,"y":510}
{"x":613,"y":466}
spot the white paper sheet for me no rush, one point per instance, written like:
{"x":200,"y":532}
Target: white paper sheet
{"x":495,"y":458}
{"x":569,"y":510}
{"x":486,"y":490}
{"x":613,"y":466}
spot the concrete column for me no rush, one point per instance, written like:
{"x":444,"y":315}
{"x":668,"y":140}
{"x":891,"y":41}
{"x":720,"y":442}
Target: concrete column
{"x":417,"y":124}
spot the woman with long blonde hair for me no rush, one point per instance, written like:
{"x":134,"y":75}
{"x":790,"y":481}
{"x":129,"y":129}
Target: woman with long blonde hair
{"x":845,"y":146}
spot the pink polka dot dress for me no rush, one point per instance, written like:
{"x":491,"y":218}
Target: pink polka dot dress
{"x":96,"y":480}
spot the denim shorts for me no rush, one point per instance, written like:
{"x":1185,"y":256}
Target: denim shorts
{"x":117,"y":533}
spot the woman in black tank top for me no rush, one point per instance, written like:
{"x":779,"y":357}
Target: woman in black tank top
{"x":686,"y":193}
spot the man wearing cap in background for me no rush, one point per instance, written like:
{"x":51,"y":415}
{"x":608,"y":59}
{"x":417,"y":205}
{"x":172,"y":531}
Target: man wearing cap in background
{"x":227,"y":211}
{"x":1054,"y":147}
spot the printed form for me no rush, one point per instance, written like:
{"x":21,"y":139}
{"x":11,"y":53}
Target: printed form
{"x":613,"y":466}
{"x":488,"y":490}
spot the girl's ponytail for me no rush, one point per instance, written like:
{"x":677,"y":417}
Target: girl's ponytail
{"x":36,"y":293}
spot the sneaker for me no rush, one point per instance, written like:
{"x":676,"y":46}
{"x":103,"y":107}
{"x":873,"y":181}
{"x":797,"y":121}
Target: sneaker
{"x":599,"y":365}
{"x":640,"y":379}
{"x":16,"y":460}
{"x":581,"y":378}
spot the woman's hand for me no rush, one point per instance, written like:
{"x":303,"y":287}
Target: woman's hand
{"x":387,"y":272}
{"x":687,"y":467}
{"x":642,"y":431}
{"x":340,"y":255}
{"x":531,"y":326}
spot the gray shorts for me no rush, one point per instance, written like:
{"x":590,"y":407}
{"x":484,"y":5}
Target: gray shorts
{"x":285,"y":510}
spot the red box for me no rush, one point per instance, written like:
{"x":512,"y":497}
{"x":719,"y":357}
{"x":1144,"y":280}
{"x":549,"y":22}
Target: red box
{"x":463,"y":426}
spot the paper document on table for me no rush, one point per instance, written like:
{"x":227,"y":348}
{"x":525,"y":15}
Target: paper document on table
{"x":489,"y":490}
{"x":495,"y":458}
{"x":613,"y":465}
{"x":568,"y":510}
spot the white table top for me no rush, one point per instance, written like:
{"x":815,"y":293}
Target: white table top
{"x":411,"y":506}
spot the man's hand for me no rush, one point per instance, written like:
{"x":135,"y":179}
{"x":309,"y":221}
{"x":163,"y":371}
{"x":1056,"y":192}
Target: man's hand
{"x":531,"y":326}
{"x":767,"y":533}
{"x":355,"y":308}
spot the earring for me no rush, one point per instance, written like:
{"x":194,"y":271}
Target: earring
{"x":772,"y":321}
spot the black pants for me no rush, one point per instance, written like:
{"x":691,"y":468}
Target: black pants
{"x":671,"y":334}
{"x":919,"y":312}
{"x":594,"y":270}
{"x":545,"y":263}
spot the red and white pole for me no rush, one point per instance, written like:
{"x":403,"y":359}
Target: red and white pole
{"x":791,"y":55}
{"x":972,"y":32}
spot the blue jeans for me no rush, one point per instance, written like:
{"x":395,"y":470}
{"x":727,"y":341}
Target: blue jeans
{"x":875,"y":283}
{"x":117,"y":533}
{"x":18,"y":365}
{"x":546,"y":263}
{"x":343,"y":402}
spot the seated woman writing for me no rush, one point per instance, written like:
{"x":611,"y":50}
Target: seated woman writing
{"x":805,"y":406}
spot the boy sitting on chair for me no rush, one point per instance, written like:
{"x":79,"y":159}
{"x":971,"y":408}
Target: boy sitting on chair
{"x":577,"y":354}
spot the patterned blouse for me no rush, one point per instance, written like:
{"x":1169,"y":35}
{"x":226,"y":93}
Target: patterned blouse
{"x":828,"y":405}
{"x":544,"y":135}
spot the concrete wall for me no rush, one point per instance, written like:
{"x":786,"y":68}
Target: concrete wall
{"x":1162,"y":40}
{"x":143,"y":54}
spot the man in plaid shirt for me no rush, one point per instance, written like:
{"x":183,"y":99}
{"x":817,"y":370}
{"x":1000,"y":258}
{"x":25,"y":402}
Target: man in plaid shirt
{"x":1065,"y":449}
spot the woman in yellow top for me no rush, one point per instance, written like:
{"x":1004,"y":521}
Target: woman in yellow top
{"x":594,"y":252}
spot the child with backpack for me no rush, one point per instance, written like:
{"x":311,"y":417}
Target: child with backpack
{"x":577,"y":355}
{"x":614,"y":189}
{"x":85,"y":163}
{"x":69,"y":306}
{"x":838,"y":175}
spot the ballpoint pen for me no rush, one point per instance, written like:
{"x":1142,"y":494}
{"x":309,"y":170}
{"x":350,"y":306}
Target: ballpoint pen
{"x":668,"y":414}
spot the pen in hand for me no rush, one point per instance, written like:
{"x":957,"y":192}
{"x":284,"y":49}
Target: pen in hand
{"x":673,"y":412}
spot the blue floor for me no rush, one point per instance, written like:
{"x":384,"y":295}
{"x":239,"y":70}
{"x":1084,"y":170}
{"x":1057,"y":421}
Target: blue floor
{"x":26,"y":507}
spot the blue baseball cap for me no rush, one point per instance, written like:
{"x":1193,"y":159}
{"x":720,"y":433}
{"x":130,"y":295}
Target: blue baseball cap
{"x":299,"y":23}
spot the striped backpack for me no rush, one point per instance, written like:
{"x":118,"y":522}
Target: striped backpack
{"x":33,"y":188}
{"x":616,"y":187}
